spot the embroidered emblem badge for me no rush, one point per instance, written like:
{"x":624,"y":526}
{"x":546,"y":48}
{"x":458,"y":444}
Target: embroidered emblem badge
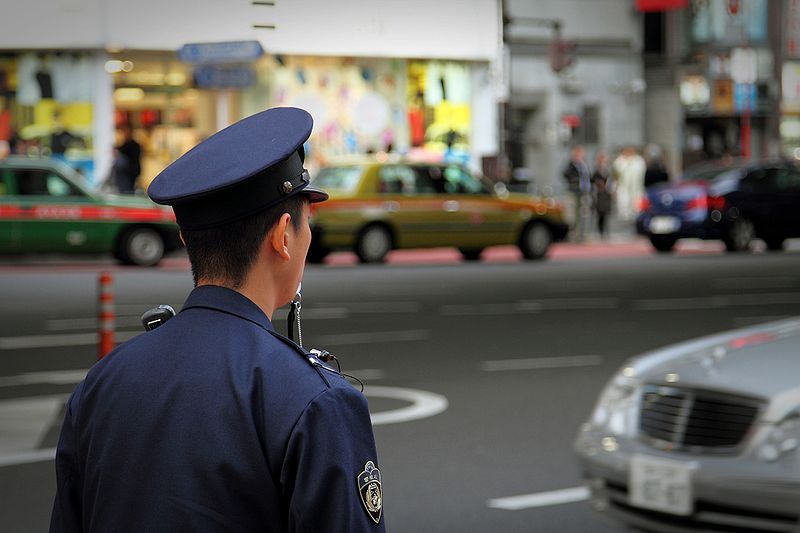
{"x":369,"y":487}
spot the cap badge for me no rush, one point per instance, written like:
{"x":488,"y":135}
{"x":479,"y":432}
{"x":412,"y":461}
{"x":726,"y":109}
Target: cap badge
{"x":287,"y":187}
{"x":369,"y":487}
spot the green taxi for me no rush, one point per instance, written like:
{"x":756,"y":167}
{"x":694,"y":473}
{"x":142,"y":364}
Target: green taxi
{"x":377,"y":206}
{"x":45,"y":207}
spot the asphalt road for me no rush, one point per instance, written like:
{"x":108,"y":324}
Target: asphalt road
{"x":478,"y":374}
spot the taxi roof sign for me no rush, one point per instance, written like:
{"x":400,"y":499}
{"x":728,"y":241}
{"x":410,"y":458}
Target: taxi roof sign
{"x":223,"y":52}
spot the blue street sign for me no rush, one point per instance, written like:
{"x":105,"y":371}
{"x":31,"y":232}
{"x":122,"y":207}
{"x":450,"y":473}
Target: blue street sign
{"x":225,"y":52}
{"x":744,"y":97}
{"x":224,"y":77}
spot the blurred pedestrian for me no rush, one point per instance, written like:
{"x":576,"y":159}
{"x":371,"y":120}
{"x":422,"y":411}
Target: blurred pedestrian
{"x":602,"y":189}
{"x":628,"y":170}
{"x":127,"y":161}
{"x":214,"y":421}
{"x":578,"y":179}
{"x":656,"y":169}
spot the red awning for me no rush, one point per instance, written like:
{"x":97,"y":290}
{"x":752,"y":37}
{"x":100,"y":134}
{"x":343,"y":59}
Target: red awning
{"x":661,"y":5}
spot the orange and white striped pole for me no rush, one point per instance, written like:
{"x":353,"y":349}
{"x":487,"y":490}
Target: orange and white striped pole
{"x":105,"y":316}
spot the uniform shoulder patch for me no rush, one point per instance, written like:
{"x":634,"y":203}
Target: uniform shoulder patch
{"x":369,"y":487}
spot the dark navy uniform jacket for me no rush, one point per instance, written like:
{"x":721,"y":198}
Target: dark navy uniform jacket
{"x":213,"y":422}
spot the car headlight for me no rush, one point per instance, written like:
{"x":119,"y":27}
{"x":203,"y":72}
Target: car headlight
{"x":618,"y":406}
{"x":781,"y":439}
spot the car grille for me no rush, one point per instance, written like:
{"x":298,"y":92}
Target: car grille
{"x":695,"y":421}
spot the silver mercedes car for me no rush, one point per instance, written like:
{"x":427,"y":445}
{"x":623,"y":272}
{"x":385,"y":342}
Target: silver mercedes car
{"x":701,"y":436}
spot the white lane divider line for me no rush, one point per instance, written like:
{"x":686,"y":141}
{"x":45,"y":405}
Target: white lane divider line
{"x":53,"y":377}
{"x":375,"y":337}
{"x":540,"y":363}
{"x":423,"y":404}
{"x":540,"y":499}
{"x":60,"y":340}
{"x":30,"y":456}
{"x":24,"y":421}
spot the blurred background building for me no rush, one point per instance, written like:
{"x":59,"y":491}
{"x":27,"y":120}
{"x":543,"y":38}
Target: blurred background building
{"x":376,"y":76}
{"x":503,"y":85}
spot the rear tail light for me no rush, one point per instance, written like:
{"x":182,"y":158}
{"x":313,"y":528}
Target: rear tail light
{"x":712,"y":203}
{"x":644,"y":203}
{"x":716,"y":203}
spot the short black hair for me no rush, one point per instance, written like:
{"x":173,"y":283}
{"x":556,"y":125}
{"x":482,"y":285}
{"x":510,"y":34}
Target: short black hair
{"x":228,"y":252}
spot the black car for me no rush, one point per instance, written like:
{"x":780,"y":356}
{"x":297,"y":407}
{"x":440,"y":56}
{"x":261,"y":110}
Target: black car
{"x":735,"y":203}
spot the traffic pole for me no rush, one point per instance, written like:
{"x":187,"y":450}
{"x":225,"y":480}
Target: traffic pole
{"x":105,"y":316}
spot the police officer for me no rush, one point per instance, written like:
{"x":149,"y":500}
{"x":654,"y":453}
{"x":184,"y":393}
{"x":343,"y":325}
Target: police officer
{"x":213,"y":421}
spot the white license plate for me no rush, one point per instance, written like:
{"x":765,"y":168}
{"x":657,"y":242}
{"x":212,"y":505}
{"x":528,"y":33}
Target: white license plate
{"x":661,"y":485}
{"x":663,"y":225}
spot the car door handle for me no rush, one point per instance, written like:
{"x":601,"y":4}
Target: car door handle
{"x":451,"y":206}
{"x":391,"y":207}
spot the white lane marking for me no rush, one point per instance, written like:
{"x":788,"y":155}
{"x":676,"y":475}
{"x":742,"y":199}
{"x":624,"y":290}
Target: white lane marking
{"x":55,"y":341}
{"x":367,"y":373}
{"x":382,"y":307}
{"x":23,"y":421}
{"x":374,"y":337}
{"x":66,"y":324}
{"x":676,"y":304}
{"x":754,"y":283}
{"x":31,"y":456}
{"x":538,"y":363}
{"x":423,"y":404}
{"x":715,"y":302}
{"x":561,"y":304}
{"x":484,"y":309}
{"x":54,"y":377}
{"x":314,"y":313}
{"x":529,"y":306}
{"x":541,"y":499}
{"x":582,"y":286}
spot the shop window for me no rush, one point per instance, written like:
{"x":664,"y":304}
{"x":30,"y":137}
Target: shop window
{"x":590,"y":125}
{"x":723,"y":21}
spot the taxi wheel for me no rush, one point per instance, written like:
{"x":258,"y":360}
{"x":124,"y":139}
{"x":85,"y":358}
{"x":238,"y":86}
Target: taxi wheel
{"x":471,"y":254}
{"x":316,"y":253}
{"x":663,"y":243}
{"x":536,"y":240}
{"x":741,"y":236}
{"x":141,"y":246}
{"x":373,"y":243}
{"x":774,"y":244}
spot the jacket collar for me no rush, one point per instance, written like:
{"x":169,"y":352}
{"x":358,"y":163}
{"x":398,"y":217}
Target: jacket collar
{"x":227,"y":301}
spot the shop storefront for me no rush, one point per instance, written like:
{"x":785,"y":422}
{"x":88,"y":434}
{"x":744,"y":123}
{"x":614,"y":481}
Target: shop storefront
{"x":360,"y":105}
{"x":725,"y":90}
{"x":47,"y":106}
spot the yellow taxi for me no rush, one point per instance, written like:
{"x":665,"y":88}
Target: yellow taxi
{"x":377,"y":206}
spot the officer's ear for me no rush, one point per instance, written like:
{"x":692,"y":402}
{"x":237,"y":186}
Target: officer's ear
{"x":279,"y":237}
{"x":180,"y":234}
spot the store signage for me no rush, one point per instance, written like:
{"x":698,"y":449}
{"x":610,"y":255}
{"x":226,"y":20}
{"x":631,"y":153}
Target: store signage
{"x":224,"y":77}
{"x":791,"y":86}
{"x":660,"y":5}
{"x":744,"y":67}
{"x":224,"y":52}
{"x":744,"y":97}
{"x":722,"y":96}
{"x":695,"y":92}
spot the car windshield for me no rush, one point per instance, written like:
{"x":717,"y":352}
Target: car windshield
{"x":709,"y":173}
{"x":338,"y":178}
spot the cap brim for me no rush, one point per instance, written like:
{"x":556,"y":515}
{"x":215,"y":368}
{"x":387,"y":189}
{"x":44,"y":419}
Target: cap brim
{"x":314,"y":194}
